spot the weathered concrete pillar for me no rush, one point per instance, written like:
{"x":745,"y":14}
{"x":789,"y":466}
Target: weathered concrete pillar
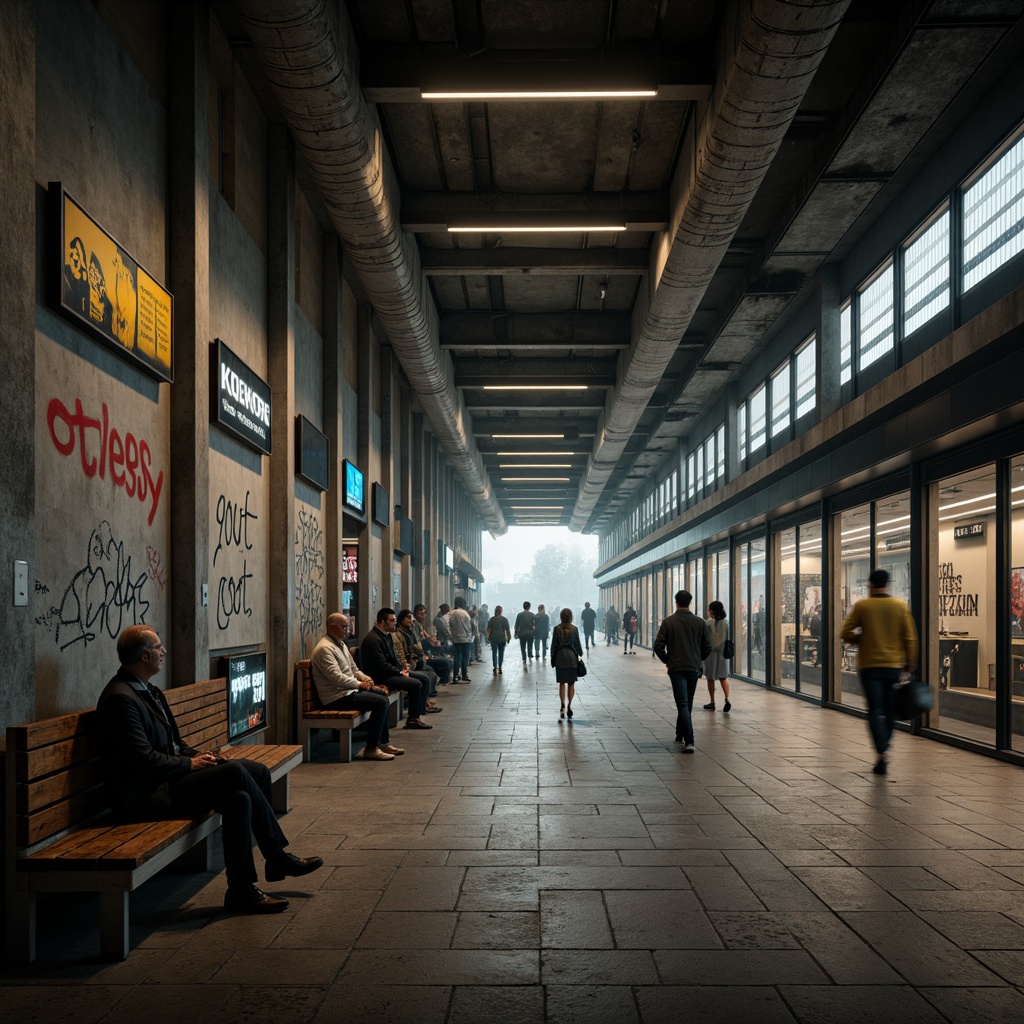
{"x":333,"y":425}
{"x":189,"y":231}
{"x":829,"y":343}
{"x":365,"y":587}
{"x":282,"y":649}
{"x":17,"y":354}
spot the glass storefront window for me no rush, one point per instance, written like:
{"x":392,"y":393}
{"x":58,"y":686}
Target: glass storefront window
{"x":788,"y":603}
{"x":1015,"y":582}
{"x":961,"y":633}
{"x":851,"y":584}
{"x":809,"y":592}
{"x":740,"y":615}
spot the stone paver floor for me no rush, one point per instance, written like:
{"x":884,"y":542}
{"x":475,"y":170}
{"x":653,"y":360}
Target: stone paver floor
{"x":512,"y":867}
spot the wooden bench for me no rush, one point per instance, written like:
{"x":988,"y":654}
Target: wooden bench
{"x":311,"y":714}
{"x":63,"y":837}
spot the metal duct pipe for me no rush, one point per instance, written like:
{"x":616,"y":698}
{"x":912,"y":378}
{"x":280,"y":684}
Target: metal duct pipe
{"x":768,"y":54}
{"x":309,"y":57}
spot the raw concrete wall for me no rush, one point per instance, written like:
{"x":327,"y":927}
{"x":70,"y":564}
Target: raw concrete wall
{"x":102,"y":527}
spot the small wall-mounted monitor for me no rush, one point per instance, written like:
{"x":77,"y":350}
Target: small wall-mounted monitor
{"x":426,"y":547}
{"x":354,"y":496}
{"x":381,"y":506}
{"x":312,"y":454}
{"x":406,"y":543}
{"x":441,"y":548}
{"x":449,"y":560}
{"x":247,"y":693}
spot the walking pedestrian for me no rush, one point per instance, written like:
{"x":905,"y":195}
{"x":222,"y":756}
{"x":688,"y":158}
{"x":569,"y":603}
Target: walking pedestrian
{"x":498,"y":634}
{"x":629,"y":625}
{"x":542,"y":630}
{"x":882,"y":629}
{"x":682,"y":644}
{"x":566,"y":653}
{"x":717,"y":665}
{"x":526,"y":624}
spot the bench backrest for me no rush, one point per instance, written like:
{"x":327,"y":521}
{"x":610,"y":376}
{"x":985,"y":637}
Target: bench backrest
{"x":54,"y":781}
{"x":307,"y":698}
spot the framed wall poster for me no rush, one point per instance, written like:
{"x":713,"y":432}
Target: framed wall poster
{"x":247,"y":693}
{"x":100,"y":288}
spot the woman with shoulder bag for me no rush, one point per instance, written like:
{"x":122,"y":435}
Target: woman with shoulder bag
{"x":566,"y":655}
{"x":717,"y":665}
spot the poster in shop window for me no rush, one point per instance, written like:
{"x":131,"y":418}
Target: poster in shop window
{"x":99,"y":287}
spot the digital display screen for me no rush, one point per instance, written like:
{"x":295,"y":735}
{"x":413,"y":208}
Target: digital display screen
{"x":354,"y":494}
{"x":247,"y":693}
{"x":313,"y":455}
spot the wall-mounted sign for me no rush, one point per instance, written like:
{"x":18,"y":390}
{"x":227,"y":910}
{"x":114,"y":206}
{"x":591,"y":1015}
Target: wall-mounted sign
{"x":426,"y":547}
{"x":381,"y":506}
{"x":312,"y":454}
{"x":969,"y":530}
{"x":406,"y":543}
{"x":241,"y":399}
{"x":354,"y":496}
{"x":247,"y":693}
{"x":97,"y":285}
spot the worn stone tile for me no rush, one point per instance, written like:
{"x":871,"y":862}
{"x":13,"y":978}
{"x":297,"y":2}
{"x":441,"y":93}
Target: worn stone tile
{"x":356,"y":1002}
{"x":409,"y":930}
{"x":739,"y":967}
{"x":574,"y":920}
{"x":722,"y":888}
{"x":977,"y":1005}
{"x":508,"y":930}
{"x":591,"y":1004}
{"x":497,"y":1005}
{"x":977,"y":930}
{"x":271,"y":1005}
{"x":665,"y":1004}
{"x":918,"y":951}
{"x":445,"y":966}
{"x":752,"y":931}
{"x":423,"y":888}
{"x":1007,"y":963}
{"x":666,"y":919}
{"x":884,"y":1004}
{"x":846,"y":889}
{"x":598,"y":967}
{"x":253,"y":968}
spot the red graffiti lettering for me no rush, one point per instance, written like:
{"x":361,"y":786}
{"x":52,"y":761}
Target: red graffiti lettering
{"x":129,"y":458}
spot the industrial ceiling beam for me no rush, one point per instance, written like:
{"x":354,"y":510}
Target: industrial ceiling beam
{"x":535,"y":330}
{"x":536,"y":261}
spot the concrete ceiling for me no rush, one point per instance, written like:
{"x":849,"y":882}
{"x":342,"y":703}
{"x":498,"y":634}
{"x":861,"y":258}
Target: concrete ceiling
{"x":779,"y":132}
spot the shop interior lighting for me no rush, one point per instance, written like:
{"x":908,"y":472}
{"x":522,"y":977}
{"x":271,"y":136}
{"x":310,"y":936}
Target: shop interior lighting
{"x":476,"y":95}
{"x":556,"y":508}
{"x":535,"y":465}
{"x":532,"y":227}
{"x":530,"y":436}
{"x":537,"y":479}
{"x":533,"y":387}
{"x":551,"y":455}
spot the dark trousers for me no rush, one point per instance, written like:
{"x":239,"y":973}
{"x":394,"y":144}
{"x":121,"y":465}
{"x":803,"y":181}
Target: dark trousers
{"x":878,"y":686}
{"x":416,"y":692}
{"x":526,"y":646}
{"x":589,"y":637}
{"x":540,"y":645}
{"x":684,"y":686}
{"x":628,"y":641}
{"x":240,"y":792}
{"x":366,"y":700}
{"x":498,"y":655}
{"x":441,"y":667}
{"x":462,"y":652}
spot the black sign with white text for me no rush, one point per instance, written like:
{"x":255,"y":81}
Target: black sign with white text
{"x":241,"y":399}
{"x":247,"y":693}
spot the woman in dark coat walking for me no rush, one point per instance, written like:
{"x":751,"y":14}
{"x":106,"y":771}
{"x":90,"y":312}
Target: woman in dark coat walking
{"x":566,"y":653}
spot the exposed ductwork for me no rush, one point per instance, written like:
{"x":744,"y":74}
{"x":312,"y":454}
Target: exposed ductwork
{"x":768,"y":54}
{"x":309,"y":57}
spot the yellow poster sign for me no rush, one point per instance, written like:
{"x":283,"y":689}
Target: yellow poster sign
{"x":105,"y":291}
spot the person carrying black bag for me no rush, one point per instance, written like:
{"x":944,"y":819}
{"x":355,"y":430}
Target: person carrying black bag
{"x":883,"y":631}
{"x":566,"y":654}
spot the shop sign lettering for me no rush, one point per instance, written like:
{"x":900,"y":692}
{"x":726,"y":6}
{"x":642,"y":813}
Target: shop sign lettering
{"x":953,"y":602}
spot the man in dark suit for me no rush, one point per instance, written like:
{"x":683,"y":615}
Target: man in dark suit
{"x":379,"y":660}
{"x":151,"y":773}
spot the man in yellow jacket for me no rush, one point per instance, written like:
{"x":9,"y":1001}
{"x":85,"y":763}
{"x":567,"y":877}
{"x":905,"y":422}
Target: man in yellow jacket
{"x":883,"y":631}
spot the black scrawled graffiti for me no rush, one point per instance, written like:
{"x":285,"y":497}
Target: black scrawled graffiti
{"x":309,"y":574}
{"x":103,"y":597}
{"x":233,"y":519}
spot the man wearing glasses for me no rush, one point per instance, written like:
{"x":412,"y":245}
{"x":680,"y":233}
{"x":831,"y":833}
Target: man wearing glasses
{"x":379,"y":660}
{"x":151,"y":774}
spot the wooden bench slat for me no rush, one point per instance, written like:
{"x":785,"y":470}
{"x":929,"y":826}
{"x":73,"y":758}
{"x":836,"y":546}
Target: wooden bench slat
{"x":57,"y":756}
{"x":34,"y":828}
{"x":24,"y":738}
{"x":34,"y":796}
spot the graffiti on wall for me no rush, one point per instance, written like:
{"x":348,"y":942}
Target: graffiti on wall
{"x":157,"y":572}
{"x":233,"y":520}
{"x":309,"y":574}
{"x":102,"y":450}
{"x":102,"y":598}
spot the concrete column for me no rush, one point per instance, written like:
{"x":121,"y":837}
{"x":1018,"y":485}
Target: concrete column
{"x":282,"y":648}
{"x":732,"y":434}
{"x":388,"y":441}
{"x":333,"y":425}
{"x":367,"y":608}
{"x":18,"y":354}
{"x":189,"y":231}
{"x":829,"y":343}
{"x":417,"y":508}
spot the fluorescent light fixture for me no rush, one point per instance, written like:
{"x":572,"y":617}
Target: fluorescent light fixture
{"x":556,"y":508}
{"x":529,"y":227}
{"x":530,"y":436}
{"x":551,"y":455}
{"x":539,"y":479}
{"x":537,"y":94}
{"x":535,"y":465}
{"x":533,"y":387}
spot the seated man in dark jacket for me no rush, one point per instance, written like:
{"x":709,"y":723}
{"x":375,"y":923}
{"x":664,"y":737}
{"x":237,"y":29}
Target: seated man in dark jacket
{"x":152,"y":774}
{"x":379,"y":660}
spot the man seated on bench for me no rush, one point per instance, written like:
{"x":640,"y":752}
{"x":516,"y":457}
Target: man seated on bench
{"x":441,"y":666}
{"x":341,"y":686}
{"x":380,"y":662}
{"x":152,"y":774}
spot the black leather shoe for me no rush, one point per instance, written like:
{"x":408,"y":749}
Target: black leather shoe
{"x":253,"y":901}
{"x":288,"y":864}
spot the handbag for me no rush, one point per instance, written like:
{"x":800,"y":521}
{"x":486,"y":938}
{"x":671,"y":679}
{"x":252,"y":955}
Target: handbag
{"x":581,"y":668}
{"x":728,"y":650}
{"x":914,"y":697}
